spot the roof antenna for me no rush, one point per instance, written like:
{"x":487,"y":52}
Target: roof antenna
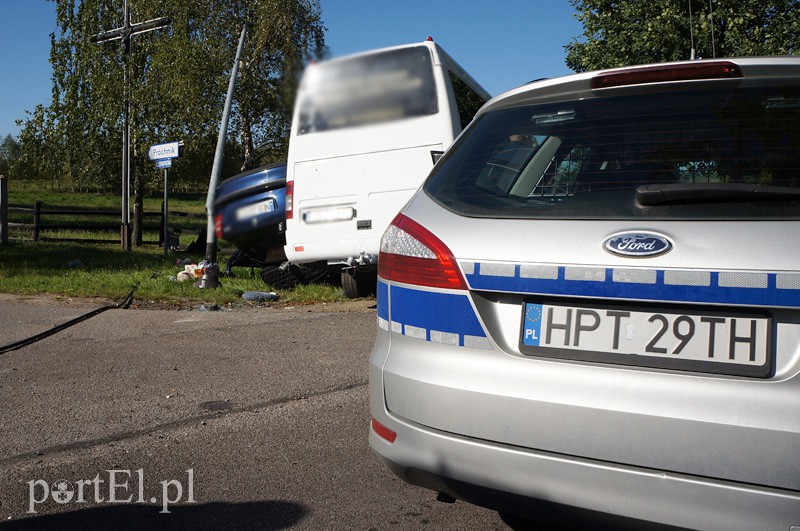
{"x":711,"y":15}
{"x":691,"y":31}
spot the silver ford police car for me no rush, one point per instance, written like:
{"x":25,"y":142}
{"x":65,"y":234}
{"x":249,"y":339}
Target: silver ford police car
{"x":590,"y":312}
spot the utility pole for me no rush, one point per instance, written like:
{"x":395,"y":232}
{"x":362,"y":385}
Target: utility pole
{"x":124,"y":34}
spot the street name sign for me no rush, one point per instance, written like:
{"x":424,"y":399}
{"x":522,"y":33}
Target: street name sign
{"x":171,"y":150}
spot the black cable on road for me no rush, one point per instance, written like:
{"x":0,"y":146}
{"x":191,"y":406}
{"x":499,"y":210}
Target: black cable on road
{"x":63,"y":326}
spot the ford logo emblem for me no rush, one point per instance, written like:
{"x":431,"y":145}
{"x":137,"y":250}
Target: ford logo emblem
{"x":637,"y":244}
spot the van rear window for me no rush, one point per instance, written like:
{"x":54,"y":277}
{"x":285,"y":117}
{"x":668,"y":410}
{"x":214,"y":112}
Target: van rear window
{"x":366,"y":90}
{"x":712,"y":154}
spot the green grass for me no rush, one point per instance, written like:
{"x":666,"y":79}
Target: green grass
{"x":107,"y":271}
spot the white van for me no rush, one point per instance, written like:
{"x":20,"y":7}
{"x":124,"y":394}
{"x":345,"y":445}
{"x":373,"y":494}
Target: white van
{"x":366,"y":131}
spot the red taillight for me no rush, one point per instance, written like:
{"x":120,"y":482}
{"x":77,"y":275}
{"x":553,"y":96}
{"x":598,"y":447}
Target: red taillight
{"x":289,"y":199}
{"x":383,"y":431}
{"x":218,"y":225}
{"x":411,"y":254}
{"x":660,"y":74}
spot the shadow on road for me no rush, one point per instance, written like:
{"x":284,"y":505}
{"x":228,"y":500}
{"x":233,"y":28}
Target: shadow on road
{"x":251,"y":515}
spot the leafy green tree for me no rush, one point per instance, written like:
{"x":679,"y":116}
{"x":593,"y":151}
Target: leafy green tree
{"x":9,"y":153}
{"x":178,"y":78}
{"x":619,"y":33}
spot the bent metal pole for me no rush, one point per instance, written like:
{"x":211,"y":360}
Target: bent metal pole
{"x":210,"y":276}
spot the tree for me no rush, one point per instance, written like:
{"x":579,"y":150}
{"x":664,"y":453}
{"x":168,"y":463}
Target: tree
{"x":619,"y":33}
{"x":178,"y":78}
{"x":9,"y":153}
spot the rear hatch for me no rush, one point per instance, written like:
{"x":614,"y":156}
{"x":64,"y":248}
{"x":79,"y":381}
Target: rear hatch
{"x":343,"y":204}
{"x":637,"y":284}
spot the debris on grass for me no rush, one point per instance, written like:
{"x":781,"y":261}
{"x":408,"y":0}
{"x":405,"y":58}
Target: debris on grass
{"x":260,"y":296}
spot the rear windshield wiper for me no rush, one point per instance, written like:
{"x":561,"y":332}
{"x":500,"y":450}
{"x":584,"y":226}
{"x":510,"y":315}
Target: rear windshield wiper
{"x":681,"y":193}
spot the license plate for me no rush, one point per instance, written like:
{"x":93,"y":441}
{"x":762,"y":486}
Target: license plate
{"x":725,"y":343}
{"x":255,"y":209}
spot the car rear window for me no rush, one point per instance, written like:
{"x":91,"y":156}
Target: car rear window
{"x":705,"y":154}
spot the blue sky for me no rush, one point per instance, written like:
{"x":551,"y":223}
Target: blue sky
{"x":502,"y":44}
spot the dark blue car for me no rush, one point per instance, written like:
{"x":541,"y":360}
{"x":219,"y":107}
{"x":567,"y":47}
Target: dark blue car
{"x":250,"y":213}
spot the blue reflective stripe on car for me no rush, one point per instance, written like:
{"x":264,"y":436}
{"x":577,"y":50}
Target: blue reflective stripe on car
{"x":711,"y":287}
{"x":383,"y":300}
{"x":446,"y":318}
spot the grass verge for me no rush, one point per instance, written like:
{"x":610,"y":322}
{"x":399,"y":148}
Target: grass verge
{"x":80,"y":270}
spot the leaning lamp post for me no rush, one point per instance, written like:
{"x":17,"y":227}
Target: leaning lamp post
{"x":210,"y":278}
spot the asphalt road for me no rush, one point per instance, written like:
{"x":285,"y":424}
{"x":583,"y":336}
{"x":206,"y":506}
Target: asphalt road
{"x":251,"y":418}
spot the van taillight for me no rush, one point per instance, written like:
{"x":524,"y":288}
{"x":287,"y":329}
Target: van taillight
{"x":289,"y":202}
{"x":663,"y":73}
{"x":411,"y":254}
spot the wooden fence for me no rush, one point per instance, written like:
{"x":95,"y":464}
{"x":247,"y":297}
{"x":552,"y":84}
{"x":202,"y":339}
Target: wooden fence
{"x":40,"y":214}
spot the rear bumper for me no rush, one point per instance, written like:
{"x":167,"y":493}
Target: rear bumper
{"x":566,"y":489}
{"x":333,"y":249}
{"x":260,"y":230}
{"x":261,"y":237}
{"x":559,"y":487}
